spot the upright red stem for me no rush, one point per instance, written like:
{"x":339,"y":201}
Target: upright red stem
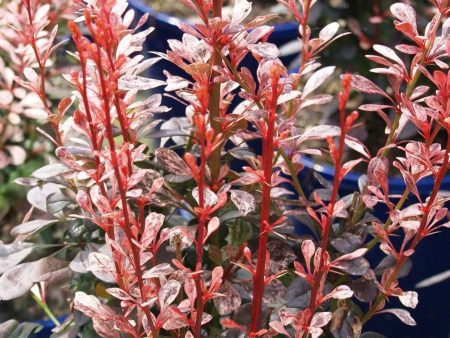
{"x":326,"y":228}
{"x":200,"y":236}
{"x":122,"y":187}
{"x":264,"y":225}
{"x":41,"y":64}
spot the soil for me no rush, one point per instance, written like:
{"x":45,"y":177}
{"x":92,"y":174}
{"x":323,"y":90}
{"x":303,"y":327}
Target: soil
{"x":178,"y":9}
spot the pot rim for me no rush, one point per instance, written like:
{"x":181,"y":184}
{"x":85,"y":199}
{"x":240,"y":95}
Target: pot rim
{"x":352,"y":178}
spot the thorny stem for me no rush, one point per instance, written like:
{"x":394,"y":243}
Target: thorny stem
{"x":42,"y":72}
{"x":280,"y":151}
{"x":121,"y":186}
{"x":326,"y":228}
{"x":120,"y":114}
{"x":305,"y":57}
{"x":200,"y":236}
{"x":264,"y":225}
{"x":92,"y":127}
{"x":214,"y":112}
{"x":305,"y":35}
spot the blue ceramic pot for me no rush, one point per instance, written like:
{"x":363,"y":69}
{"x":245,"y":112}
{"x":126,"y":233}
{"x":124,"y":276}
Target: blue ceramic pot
{"x":350,"y":182}
{"x":47,"y":327}
{"x":432,"y":256}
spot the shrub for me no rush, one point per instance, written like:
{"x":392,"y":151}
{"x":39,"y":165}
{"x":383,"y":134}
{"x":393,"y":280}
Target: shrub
{"x":196,"y":238}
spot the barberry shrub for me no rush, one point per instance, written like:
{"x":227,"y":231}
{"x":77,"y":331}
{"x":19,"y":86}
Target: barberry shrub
{"x":195,"y":237}
{"x":28,"y":31}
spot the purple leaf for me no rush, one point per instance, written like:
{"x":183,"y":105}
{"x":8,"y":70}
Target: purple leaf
{"x":31,"y":227}
{"x":229,"y":301}
{"x":364,"y":85}
{"x":12,"y":254}
{"x":172,"y":162}
{"x":17,"y":281}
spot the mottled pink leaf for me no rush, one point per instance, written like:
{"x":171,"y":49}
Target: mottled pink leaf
{"x":244,"y":201}
{"x":409,"y":299}
{"x":316,"y":80}
{"x":169,"y":292}
{"x":401,"y":314}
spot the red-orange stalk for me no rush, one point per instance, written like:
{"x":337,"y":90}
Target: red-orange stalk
{"x":118,"y":175}
{"x":264,"y":225}
{"x":321,"y":270}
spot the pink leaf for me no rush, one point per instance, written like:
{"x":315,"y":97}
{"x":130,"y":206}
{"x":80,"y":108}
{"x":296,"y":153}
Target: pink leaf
{"x":355,"y":254}
{"x":158,"y":271}
{"x":321,"y":319}
{"x":102,"y":266}
{"x":169,"y":292}
{"x":409,"y":299}
{"x":244,"y":201}
{"x":340,"y":292}
{"x":213,"y":225}
{"x":267,"y":51}
{"x":210,"y":198}
{"x":134,"y":82}
{"x":377,"y":173}
{"x":279,"y":328}
{"x":389,"y":53}
{"x":317,"y":79}
{"x":119,"y":294}
{"x":374,"y":107}
{"x":241,"y":10}
{"x":404,"y":13}
{"x":364,"y":85}
{"x":329,"y":31}
{"x":92,"y":307}
{"x":153,"y":223}
{"x":401,"y":314}
{"x":319,"y":133}
{"x":308,"y":250}
{"x":172,"y":162}
{"x":317,"y":100}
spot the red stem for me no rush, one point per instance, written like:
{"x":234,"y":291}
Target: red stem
{"x":41,"y":64}
{"x":259,"y":276}
{"x":326,"y":228}
{"x":121,"y":185}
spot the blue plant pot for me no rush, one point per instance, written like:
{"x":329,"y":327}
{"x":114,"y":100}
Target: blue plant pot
{"x":432,"y":256}
{"x":47,"y":327}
